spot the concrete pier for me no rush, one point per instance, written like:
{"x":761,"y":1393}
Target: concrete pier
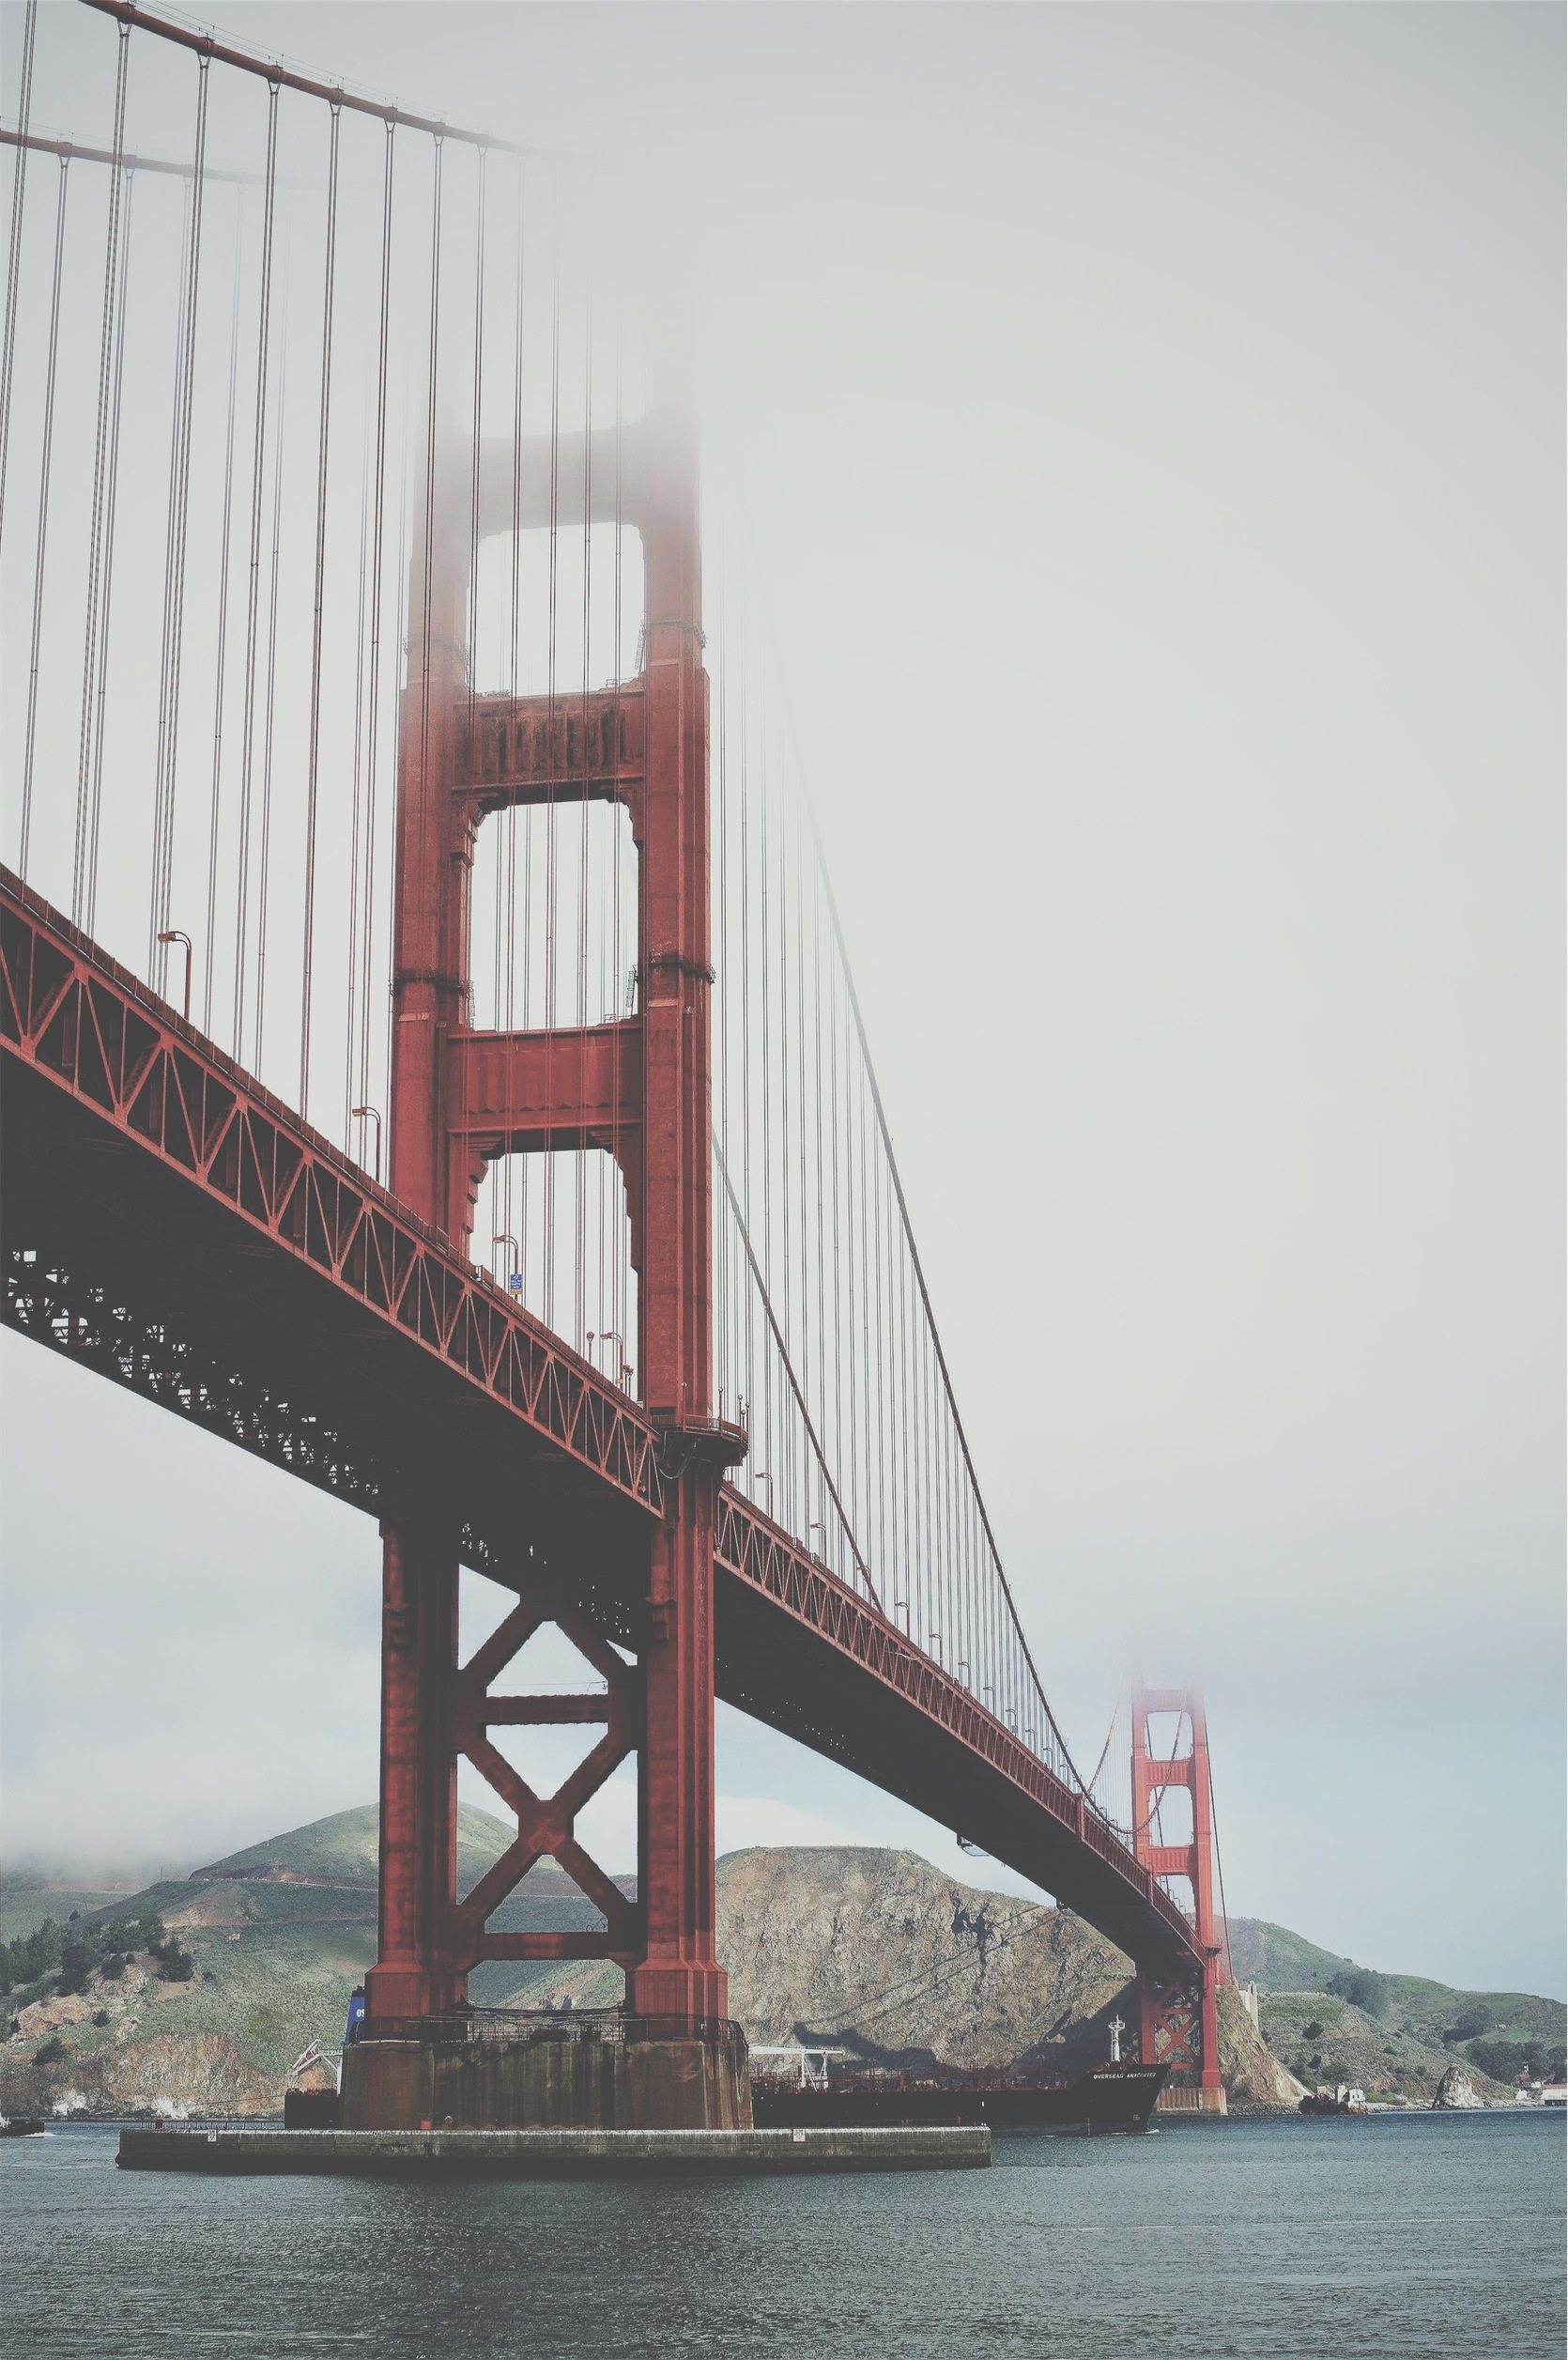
{"x":514,"y":2071}
{"x":555,"y":2154}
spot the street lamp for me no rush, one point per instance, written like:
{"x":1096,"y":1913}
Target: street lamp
{"x":612,"y":1336}
{"x":514,"y":1277}
{"x":760,"y":1475}
{"x":173,"y":936}
{"x":370,"y":1114}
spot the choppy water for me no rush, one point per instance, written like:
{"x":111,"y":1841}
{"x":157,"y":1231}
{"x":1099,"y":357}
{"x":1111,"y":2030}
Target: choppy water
{"x":1429,"y":2236}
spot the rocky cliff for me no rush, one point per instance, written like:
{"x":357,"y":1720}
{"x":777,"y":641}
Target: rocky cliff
{"x":880,"y":1952}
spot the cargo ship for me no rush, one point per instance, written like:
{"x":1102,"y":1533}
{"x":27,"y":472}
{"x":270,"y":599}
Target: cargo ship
{"x":1109,"y":2098}
{"x":801,"y":2088}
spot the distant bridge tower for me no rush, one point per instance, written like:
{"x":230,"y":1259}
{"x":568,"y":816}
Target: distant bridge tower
{"x":636,"y":1085}
{"x":1179,"y":2019}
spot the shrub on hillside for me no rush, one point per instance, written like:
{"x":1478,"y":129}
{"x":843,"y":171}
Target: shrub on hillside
{"x":76,"y":1964}
{"x":52,"y":2051}
{"x":52,"y":1956}
{"x":1363,"y":1987}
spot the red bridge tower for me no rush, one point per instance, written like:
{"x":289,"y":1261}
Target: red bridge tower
{"x":637,"y":1087}
{"x":1179,"y":2019}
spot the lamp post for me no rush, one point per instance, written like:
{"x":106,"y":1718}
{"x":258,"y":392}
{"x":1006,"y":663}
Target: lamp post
{"x":622,"y":1369}
{"x":370,"y":1114}
{"x":513,"y":1281}
{"x":760,"y":1475}
{"x":173,"y":935}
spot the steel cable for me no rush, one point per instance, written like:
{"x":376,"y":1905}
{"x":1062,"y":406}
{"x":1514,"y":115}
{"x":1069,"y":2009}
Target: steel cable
{"x":314,"y":762}
{"x":41,"y":550}
{"x":220,"y":669}
{"x":252,"y":607}
{"x":106,"y":376}
{"x":13,"y":263}
{"x":175,"y":612}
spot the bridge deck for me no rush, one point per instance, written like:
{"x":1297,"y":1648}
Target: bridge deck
{"x":171,"y":1225}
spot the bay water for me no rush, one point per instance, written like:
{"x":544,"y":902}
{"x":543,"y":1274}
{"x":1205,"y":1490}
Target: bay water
{"x":1433,"y":2235}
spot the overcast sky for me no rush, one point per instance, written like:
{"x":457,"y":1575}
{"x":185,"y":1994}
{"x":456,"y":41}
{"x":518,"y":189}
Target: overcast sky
{"x":1150,"y":422}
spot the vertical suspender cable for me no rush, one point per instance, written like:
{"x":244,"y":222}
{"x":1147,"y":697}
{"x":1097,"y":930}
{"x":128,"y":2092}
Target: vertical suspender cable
{"x":765,"y":801}
{"x":784,"y":1473}
{"x":377,"y":562}
{"x":41,"y":554}
{"x":619,"y":1309}
{"x":818,"y":1161}
{"x":313,"y":763}
{"x":89,"y":913}
{"x":427,"y":530}
{"x":107,"y":339}
{"x":514,"y":645}
{"x":171,"y":536}
{"x":13,"y":265}
{"x":580,"y":1160}
{"x":359,"y":795}
{"x":548,"y":1299}
{"x":220,"y":665}
{"x":253,"y":604}
{"x":264,"y":865}
{"x":474,"y":454}
{"x":176,"y":613}
{"x":723,"y":1228}
{"x":747,"y":1000}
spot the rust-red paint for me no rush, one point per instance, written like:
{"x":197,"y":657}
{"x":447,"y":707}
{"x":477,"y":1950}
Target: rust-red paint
{"x":639,"y":1087}
{"x":1178,"y":2013}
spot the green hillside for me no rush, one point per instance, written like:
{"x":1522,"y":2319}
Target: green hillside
{"x":342,"y":1850}
{"x":234,"y":1969}
{"x":1329,"y":2019}
{"x":1277,"y":1959}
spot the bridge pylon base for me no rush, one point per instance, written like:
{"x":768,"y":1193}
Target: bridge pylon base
{"x":651,"y":2078}
{"x":1177,"y":2098}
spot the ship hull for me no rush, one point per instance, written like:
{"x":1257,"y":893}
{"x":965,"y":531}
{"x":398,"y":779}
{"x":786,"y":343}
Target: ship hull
{"x":1112,"y":2097}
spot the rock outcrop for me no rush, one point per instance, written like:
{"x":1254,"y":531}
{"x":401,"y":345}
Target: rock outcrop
{"x":880,"y":1952}
{"x":1253,"y":2075}
{"x":1457,"y":2090}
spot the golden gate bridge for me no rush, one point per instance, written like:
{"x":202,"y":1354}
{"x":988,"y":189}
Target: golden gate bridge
{"x":433,"y":1061}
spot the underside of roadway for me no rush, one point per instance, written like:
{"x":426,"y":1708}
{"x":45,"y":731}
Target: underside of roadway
{"x":314,"y":1381}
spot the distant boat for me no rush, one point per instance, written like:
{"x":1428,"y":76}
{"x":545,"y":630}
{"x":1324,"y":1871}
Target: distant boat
{"x":20,"y":2126}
